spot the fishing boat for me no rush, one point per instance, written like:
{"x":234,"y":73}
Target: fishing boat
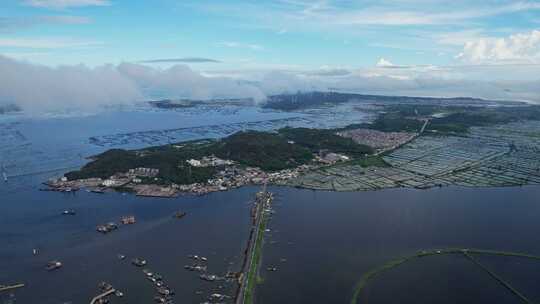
{"x":68,"y":212}
{"x":4,"y":174}
{"x":53,"y":265}
{"x":180,"y":214}
{"x":138,"y":262}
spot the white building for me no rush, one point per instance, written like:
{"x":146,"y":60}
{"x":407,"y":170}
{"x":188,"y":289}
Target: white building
{"x":109,"y":183}
{"x":194,"y":162}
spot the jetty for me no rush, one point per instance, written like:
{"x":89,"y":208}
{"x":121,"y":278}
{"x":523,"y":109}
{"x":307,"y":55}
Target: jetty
{"x":250,"y":268}
{"x":97,"y":298}
{"x":10,"y":287}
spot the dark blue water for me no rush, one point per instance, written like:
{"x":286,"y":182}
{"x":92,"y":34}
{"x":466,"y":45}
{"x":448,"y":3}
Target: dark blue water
{"x":33,"y":149}
{"x":327,"y":239}
{"x":216,"y":227}
{"x":330,"y":239}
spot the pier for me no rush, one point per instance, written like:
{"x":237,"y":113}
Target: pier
{"x":10,"y":287}
{"x":252,"y":259}
{"x":103,"y":295}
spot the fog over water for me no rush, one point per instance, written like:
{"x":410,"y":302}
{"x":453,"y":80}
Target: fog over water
{"x":39,"y":89}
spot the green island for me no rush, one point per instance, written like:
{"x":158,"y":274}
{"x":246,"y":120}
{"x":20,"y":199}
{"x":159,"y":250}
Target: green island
{"x":448,"y":119}
{"x":270,"y":151}
{"x":466,"y":252}
{"x":407,"y":145}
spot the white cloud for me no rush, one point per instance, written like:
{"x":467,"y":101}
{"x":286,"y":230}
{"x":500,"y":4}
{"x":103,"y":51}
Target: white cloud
{"x":459,"y":38}
{"x":232,"y":44}
{"x":46,"y":43}
{"x":296,"y":15}
{"x":8,"y":24}
{"x":38,"y":89}
{"x":521,"y":48}
{"x":383,"y":63}
{"x":64,"y":19}
{"x":61,"y":4}
{"x":181,"y":81}
{"x":393,"y":17}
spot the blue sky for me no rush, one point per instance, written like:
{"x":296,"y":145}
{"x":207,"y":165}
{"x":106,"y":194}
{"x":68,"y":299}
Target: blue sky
{"x":485,"y":48}
{"x":257,"y":34}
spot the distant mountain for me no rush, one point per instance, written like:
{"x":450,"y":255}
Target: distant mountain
{"x":187,"y":103}
{"x":9,"y":108}
{"x":314,"y":99}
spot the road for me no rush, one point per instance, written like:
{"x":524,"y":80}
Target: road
{"x":250,"y":266}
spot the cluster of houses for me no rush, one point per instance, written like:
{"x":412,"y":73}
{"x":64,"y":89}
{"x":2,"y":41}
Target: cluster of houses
{"x":235,"y":177}
{"x":133,"y":175}
{"x":209,"y":161}
{"x":378,"y":139}
{"x":330,"y":158}
{"x":231,"y":176}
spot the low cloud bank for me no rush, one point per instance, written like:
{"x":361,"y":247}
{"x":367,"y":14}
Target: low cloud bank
{"x":38,"y":89}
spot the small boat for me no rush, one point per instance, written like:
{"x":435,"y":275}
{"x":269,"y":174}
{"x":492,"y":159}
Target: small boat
{"x":4,"y":174}
{"x":121,"y":257}
{"x":164,"y":291}
{"x":107,"y":227}
{"x":34,"y":251}
{"x":208,"y":277}
{"x":128,"y":220}
{"x":198,"y":268}
{"x":68,"y":212}
{"x":139,"y":262}
{"x":104,"y":286}
{"x":180,"y":214}
{"x":217,"y":297}
{"x":118,"y":293}
{"x":161,"y":299}
{"x":53,"y":265}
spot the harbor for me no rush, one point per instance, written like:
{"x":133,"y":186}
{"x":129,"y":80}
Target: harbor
{"x":165,"y":233}
{"x":159,"y":238}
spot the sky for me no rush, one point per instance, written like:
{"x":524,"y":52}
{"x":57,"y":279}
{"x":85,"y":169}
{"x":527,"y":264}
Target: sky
{"x":208,"y":49}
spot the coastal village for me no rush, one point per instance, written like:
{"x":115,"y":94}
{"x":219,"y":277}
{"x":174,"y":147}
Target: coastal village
{"x":486,"y":156}
{"x":143,"y":181}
